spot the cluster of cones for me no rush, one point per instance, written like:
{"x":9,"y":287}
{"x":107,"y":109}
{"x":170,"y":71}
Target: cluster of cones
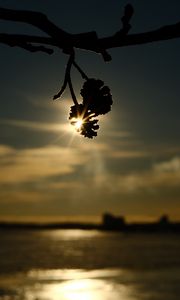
{"x":97,"y":100}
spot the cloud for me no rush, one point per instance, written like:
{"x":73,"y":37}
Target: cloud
{"x":164,"y":175}
{"x":128,"y":154}
{"x":158,"y":178}
{"x":169,"y":166}
{"x":5,"y":151}
{"x":32,"y":125}
{"x":109,"y":150}
{"x":55,"y":172}
{"x":21,"y":195}
{"x":19,"y":166}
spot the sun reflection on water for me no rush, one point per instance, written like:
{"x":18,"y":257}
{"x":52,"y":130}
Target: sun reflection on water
{"x":76,"y":290}
{"x":78,"y":285}
{"x":71,"y":234}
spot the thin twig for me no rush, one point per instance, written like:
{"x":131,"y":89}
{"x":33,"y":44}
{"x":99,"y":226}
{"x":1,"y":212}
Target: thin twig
{"x":72,"y":91}
{"x":128,"y":13}
{"x":33,"y":48}
{"x":23,"y":41}
{"x":66,"y":78}
{"x":84,"y":76}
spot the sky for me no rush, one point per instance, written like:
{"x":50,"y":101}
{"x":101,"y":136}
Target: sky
{"x":48,"y":172}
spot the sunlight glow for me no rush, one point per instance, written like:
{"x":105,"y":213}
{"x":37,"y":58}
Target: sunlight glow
{"x":77,"y":123}
{"x":70,"y":234}
{"x":79,"y":284}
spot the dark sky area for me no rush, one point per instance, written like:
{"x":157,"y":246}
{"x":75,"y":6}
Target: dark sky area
{"x":132,"y":168}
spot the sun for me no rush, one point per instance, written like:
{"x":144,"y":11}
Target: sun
{"x":77,"y":123}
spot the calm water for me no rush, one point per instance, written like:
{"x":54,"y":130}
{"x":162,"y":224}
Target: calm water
{"x":88,"y":265}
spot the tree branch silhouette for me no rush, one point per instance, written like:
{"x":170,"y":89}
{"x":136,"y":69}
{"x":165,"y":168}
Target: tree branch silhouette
{"x":96,"y":98}
{"x":85,"y":41}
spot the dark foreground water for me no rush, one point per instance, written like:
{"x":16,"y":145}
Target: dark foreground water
{"x":88,"y":265}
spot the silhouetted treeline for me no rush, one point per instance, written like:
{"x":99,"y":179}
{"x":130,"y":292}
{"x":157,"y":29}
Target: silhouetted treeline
{"x":111,"y":222}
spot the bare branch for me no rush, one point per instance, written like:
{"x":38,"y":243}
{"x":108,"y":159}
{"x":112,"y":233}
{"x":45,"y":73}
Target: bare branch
{"x":62,"y":39}
{"x":87,"y":41}
{"x":160,"y":34}
{"x":36,"y":19}
{"x":22,"y":42}
{"x":33,"y":48}
{"x":96,"y":98}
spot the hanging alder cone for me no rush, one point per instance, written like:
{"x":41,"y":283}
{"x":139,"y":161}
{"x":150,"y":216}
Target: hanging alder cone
{"x":83,"y":120}
{"x":96,"y":96}
{"x":97,"y":100}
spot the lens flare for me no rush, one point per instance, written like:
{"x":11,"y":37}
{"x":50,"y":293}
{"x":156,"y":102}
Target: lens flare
{"x":77,"y":123}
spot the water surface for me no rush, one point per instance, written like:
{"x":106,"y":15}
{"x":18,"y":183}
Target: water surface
{"x":77,"y":264}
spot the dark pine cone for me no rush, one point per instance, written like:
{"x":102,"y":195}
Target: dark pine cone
{"x":89,"y":125}
{"x":96,"y":97}
{"x":76,"y":111}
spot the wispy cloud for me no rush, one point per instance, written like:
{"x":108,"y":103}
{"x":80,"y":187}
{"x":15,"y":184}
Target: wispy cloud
{"x":5,"y":151}
{"x":163,"y":175}
{"x":172,"y":165}
{"x":32,"y":164}
{"x":82,"y":174}
{"x":54,"y":127}
{"x":128,"y":154}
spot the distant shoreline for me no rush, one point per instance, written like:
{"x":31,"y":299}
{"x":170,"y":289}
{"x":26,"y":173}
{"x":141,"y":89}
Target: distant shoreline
{"x":154,"y":227}
{"x":68,"y":225}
